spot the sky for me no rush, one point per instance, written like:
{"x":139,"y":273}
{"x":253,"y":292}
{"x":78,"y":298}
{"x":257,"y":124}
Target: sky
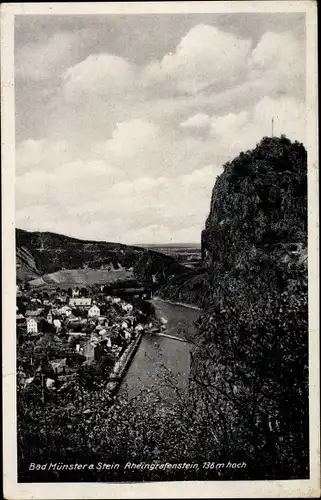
{"x":123,"y":122}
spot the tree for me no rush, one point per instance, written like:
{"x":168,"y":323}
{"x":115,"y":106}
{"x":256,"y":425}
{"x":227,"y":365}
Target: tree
{"x":21,"y":306}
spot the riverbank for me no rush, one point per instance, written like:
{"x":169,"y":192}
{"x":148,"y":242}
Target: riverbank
{"x":181,"y":304}
{"x":161,"y":363}
{"x":121,"y":366}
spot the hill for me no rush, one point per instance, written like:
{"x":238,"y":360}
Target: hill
{"x":52,"y":256}
{"x":250,"y":367}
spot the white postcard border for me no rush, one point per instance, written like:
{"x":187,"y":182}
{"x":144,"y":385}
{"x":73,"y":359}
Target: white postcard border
{"x":188,"y":489}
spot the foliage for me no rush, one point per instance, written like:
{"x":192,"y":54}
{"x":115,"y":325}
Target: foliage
{"x":154,"y":269}
{"x":88,"y":426}
{"x":189,"y":287}
{"x":251,"y":363}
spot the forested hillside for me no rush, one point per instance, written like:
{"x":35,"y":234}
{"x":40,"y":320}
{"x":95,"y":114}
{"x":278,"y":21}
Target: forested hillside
{"x":44,"y":253}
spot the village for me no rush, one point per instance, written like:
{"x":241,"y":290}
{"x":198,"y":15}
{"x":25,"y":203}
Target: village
{"x":62,"y":334}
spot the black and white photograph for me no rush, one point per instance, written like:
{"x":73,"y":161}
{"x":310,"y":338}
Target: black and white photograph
{"x":160,"y":249}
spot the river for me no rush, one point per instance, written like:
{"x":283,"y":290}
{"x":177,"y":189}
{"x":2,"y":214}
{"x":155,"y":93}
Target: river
{"x":161,"y":365}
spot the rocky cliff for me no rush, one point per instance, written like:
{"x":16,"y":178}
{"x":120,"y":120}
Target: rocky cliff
{"x":250,"y":366}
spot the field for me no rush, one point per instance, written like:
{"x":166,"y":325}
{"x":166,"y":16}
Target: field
{"x":189,"y":255}
{"x":81,"y":277}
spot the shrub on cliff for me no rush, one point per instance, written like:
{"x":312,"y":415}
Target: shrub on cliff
{"x":189,"y":287}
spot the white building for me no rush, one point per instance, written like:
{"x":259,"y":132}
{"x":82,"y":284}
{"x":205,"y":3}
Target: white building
{"x":127,"y":307}
{"x":32,"y":325}
{"x":66,"y":310}
{"x":49,"y":317}
{"x":81,"y":302}
{"x":94,"y":311}
{"x":57,"y":324}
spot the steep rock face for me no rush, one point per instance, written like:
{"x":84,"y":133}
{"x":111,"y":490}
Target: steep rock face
{"x":251,"y":364}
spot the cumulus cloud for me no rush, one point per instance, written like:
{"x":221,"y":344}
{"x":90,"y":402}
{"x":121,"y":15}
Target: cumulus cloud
{"x":141,"y":180}
{"x":229,"y":124}
{"x":133,"y":137}
{"x":139,"y":147}
{"x":278,"y":62}
{"x":99,"y":73}
{"x":238,"y":132}
{"x":234,"y":132}
{"x":102,"y":201}
{"x":205,"y":56}
{"x":198,"y":121}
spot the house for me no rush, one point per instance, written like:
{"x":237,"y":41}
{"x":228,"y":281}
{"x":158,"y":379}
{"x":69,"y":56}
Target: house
{"x":20,"y":320}
{"x":64,"y":298}
{"x":34,"y":312}
{"x":57,"y":324}
{"x":66,"y":310}
{"x":32,"y":325}
{"x":94,"y":311}
{"x":73,"y":319}
{"x":80,"y":302}
{"x":59,"y":365}
{"x":127,"y":307}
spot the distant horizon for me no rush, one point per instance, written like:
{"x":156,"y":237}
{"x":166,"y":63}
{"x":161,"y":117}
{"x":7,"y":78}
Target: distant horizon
{"x":143,"y":245}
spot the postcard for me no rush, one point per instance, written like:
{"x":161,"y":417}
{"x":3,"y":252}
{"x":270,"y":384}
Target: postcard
{"x":160,"y":250}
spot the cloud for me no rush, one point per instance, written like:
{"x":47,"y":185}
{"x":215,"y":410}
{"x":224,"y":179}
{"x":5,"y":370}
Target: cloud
{"x":140,"y":177}
{"x":238,"y":132}
{"x":31,"y":153}
{"x":278,"y":61}
{"x":231,"y":133}
{"x":229,"y":124}
{"x":40,"y":61}
{"x":201,"y":177}
{"x":133,"y":137}
{"x":99,"y":74}
{"x":115,"y":147}
{"x":140,"y":148}
{"x":205,"y":56}
{"x":198,"y":121}
{"x":98,"y":200}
